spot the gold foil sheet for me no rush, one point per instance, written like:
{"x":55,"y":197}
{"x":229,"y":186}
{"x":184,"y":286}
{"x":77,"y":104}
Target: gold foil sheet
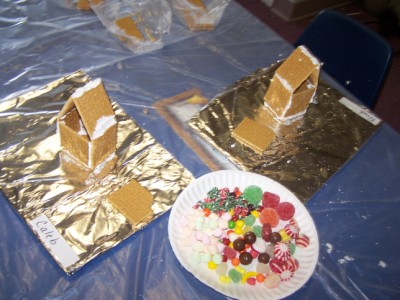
{"x":34,"y":182}
{"x":306,"y":152}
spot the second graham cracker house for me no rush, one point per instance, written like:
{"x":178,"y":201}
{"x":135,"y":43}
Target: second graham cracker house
{"x":87,"y":125}
{"x":293,"y":85}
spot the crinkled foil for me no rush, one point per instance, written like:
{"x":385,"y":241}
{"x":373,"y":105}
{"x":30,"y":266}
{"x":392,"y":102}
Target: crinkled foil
{"x":304,"y":153}
{"x":32,"y":179}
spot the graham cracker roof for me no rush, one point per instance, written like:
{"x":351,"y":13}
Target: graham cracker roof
{"x":92,"y":103}
{"x":297,"y":68}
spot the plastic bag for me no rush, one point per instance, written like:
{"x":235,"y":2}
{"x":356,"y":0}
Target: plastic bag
{"x":199,"y":14}
{"x":139,"y":24}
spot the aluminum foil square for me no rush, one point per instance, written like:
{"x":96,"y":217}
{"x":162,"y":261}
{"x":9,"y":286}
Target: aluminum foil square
{"x":36,"y":185}
{"x":306,"y":152}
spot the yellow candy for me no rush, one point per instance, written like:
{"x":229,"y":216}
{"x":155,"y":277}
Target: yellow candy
{"x":246,"y":229}
{"x":212,"y":265}
{"x":284,"y":236}
{"x":248,"y":275}
{"x":238,"y":230}
{"x":240,"y":270}
{"x":239,"y":224}
{"x":231,"y":212}
{"x":255,"y":213}
{"x":224,"y":279}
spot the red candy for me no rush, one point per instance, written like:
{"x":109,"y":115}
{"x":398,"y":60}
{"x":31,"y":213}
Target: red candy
{"x":254,"y":253}
{"x":293,"y":222}
{"x":226,"y":241}
{"x":266,"y":232}
{"x":229,"y":252}
{"x":286,"y":273}
{"x":270,"y":200}
{"x":275,"y":243}
{"x":251,"y":281}
{"x":285,"y":211}
{"x":292,"y":263}
{"x":281,"y":251}
{"x":292,"y":231}
{"x":276,"y":265}
{"x":302,"y":241}
{"x":269,"y":215}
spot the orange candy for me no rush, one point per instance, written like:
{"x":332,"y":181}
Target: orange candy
{"x":235,"y":261}
{"x":206,"y":212}
{"x":260,"y":277}
{"x":269,"y":215}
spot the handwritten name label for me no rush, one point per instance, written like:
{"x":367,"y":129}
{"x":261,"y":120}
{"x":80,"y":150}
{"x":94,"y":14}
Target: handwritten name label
{"x":56,"y":244}
{"x":361,"y":111}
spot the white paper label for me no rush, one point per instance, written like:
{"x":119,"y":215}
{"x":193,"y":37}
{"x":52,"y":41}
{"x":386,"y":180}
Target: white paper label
{"x":361,"y":111}
{"x":49,"y":235}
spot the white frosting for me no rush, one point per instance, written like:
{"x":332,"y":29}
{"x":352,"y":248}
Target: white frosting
{"x":102,"y":124}
{"x":89,"y":86}
{"x":68,"y":158}
{"x":82,"y":130}
{"x":288,"y":105}
{"x":284,"y":120}
{"x":101,"y":166}
{"x":308,"y":53}
{"x":285,"y":83}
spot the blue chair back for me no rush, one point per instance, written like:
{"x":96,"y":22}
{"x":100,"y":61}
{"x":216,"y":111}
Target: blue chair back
{"x":355,"y":56}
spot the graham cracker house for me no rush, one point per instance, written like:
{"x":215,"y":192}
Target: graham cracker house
{"x":87,"y":125}
{"x":293,"y":85}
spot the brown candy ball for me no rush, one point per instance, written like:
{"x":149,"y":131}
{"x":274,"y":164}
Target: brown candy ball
{"x":275,"y":237}
{"x":250,"y":237}
{"x":245,"y":258}
{"x":239,"y":244}
{"x":263,"y":258}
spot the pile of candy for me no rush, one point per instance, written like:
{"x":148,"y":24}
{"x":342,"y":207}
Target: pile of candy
{"x":245,"y":237}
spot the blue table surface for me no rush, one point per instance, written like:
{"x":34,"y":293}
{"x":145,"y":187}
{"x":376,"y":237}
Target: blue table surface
{"x":355,"y":212}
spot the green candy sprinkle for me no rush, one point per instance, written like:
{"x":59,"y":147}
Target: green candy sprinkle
{"x":221,"y":200}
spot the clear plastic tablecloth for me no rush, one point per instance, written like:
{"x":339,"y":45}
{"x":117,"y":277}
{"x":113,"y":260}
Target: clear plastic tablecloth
{"x":356,"y":211}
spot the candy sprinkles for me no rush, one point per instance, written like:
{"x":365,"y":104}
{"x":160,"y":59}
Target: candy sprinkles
{"x":245,"y":237}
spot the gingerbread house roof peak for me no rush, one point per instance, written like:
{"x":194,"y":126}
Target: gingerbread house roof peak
{"x":297,"y":68}
{"x":94,"y":108}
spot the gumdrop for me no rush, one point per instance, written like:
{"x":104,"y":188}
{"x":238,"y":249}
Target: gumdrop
{"x":269,"y":215}
{"x":285,"y":211}
{"x":250,"y":220}
{"x":253,"y":194}
{"x":270,"y":200}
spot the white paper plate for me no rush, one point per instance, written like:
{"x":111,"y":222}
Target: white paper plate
{"x":198,"y":189}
